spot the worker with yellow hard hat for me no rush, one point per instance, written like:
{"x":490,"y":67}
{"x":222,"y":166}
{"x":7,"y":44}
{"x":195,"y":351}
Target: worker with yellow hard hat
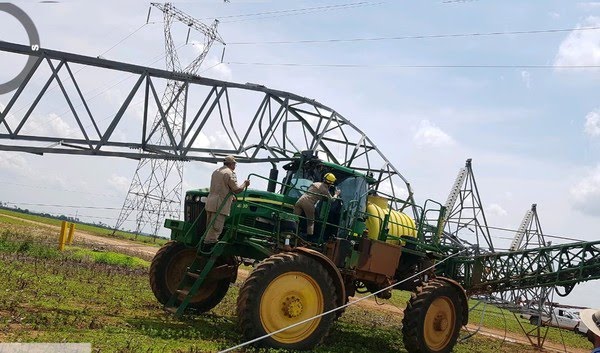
{"x":307,"y":202}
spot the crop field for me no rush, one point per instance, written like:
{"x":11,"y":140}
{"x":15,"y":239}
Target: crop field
{"x":83,"y":227}
{"x":103,"y":297}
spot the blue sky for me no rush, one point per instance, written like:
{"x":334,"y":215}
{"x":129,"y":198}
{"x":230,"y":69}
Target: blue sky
{"x":534,"y":133}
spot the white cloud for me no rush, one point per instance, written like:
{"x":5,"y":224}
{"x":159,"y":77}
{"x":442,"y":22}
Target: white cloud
{"x":14,"y":163}
{"x":526,"y":77}
{"x":399,"y":191}
{"x":580,"y":47}
{"x":198,"y":46}
{"x":590,"y":5}
{"x":119,"y":183}
{"x":52,"y":125}
{"x":218,"y":140}
{"x":554,"y":15}
{"x":430,"y":135}
{"x":586,"y":193}
{"x":214,"y":68}
{"x":496,"y":210}
{"x":592,"y":123}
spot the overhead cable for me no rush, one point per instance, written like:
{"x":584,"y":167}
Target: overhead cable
{"x":433,"y":66}
{"x":421,"y":36}
{"x":294,"y":12}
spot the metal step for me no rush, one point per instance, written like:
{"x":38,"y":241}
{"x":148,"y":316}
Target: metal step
{"x":193,"y":274}
{"x":172,"y":309}
{"x":183,"y":292}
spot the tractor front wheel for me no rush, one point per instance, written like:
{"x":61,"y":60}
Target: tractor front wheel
{"x":432,"y":318}
{"x":168,"y":268}
{"x":283,"y":290}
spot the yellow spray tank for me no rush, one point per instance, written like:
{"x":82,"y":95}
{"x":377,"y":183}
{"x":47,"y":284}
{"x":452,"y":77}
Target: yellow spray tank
{"x":399,"y":223}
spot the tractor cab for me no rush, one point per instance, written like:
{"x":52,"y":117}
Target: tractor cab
{"x":332,"y":218}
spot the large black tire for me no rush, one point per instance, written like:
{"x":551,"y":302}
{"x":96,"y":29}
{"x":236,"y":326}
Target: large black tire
{"x":168,"y":267}
{"x":535,"y":321}
{"x":282,"y":290}
{"x":432,"y":318}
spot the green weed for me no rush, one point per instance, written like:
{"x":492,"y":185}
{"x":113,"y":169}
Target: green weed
{"x":107,"y":257}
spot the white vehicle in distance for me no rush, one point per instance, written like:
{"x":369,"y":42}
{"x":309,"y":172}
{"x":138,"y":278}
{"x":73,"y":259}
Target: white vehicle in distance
{"x":561,"y":318}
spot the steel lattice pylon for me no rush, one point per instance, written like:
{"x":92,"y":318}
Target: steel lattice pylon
{"x":155,"y":190}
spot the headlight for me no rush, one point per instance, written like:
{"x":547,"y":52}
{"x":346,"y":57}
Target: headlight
{"x":197,"y":198}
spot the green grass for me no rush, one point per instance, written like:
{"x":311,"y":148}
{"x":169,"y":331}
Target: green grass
{"x":107,"y":257}
{"x":501,"y":319}
{"x":82,"y":227}
{"x":80,"y":296}
{"x":11,"y":242}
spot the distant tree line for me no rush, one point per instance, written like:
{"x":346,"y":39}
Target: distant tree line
{"x":99,"y":224}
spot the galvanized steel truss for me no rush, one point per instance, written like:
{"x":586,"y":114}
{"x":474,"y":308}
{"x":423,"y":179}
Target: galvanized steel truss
{"x":282,"y":125}
{"x":464,"y":224}
{"x":560,"y":265}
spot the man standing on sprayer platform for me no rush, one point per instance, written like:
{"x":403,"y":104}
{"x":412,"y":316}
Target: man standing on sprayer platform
{"x":307,"y":202}
{"x":591,"y":319}
{"x":222,"y":182}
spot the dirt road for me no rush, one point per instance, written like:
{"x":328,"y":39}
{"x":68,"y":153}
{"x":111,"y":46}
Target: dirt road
{"x":148,"y":251}
{"x":129,"y":247}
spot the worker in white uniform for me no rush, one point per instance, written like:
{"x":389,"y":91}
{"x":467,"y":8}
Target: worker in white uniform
{"x":223,"y":183}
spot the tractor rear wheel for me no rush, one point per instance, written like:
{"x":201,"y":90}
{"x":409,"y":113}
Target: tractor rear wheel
{"x":168,"y":268}
{"x":285,"y":289}
{"x":432,"y":318}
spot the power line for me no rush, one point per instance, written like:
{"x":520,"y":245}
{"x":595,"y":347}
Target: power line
{"x":122,"y":40}
{"x":545,"y":235}
{"x":516,"y":230}
{"x":293,"y":12}
{"x":422,"y":36}
{"x":65,"y":206}
{"x":3,"y":182}
{"x":457,"y":1}
{"x":78,"y":215}
{"x":400,"y":66}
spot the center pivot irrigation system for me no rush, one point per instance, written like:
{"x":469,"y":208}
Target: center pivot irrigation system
{"x":371,"y":239}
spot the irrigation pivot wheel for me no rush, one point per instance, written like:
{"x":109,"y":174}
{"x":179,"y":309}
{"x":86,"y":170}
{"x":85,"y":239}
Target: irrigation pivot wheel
{"x":285,"y":289}
{"x":168,"y":268}
{"x":432,"y":318}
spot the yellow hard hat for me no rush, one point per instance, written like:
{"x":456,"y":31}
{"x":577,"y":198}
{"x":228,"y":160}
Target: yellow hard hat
{"x":329,"y":178}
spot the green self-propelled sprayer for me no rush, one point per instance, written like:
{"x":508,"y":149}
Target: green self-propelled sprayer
{"x":364,"y":241}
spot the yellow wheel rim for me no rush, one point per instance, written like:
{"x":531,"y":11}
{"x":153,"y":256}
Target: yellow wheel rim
{"x":439,"y":323}
{"x":290,"y":298}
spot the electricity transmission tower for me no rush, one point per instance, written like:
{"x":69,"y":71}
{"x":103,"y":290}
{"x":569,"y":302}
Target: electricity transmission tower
{"x":155,"y":190}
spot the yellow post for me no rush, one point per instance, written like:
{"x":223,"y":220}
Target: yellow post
{"x":71,"y":233}
{"x":63,"y":236}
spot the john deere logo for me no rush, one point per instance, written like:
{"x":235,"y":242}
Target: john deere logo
{"x":34,"y":42}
